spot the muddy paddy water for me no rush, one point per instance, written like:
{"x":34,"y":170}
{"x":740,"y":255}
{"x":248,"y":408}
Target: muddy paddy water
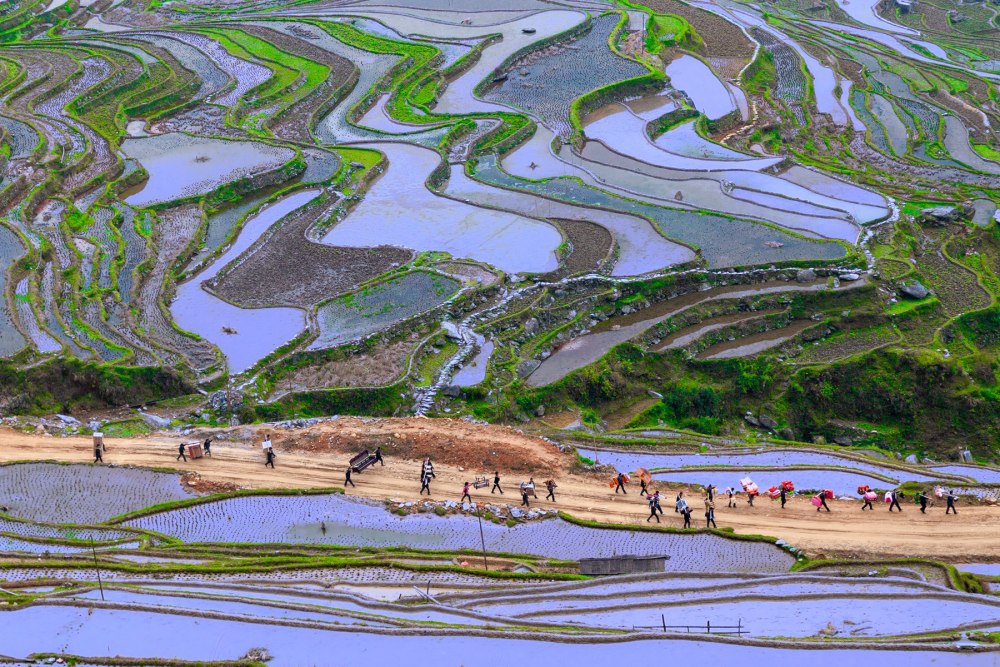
{"x":180,"y":165}
{"x":399,"y":209}
{"x":244,"y":335}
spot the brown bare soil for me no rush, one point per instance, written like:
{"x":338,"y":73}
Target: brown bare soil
{"x":591,"y":245}
{"x":316,"y":458}
{"x":377,"y":367}
{"x":290,"y":270}
{"x":721,"y":39}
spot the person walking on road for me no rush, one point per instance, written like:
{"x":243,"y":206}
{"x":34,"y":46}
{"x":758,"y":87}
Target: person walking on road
{"x":266,"y":445}
{"x":643,"y":491}
{"x":620,"y":483}
{"x":710,"y":515}
{"x":496,"y":483}
{"x":895,"y":496}
{"x":922,"y":499}
{"x":652,"y":510}
{"x":951,"y":502}
{"x":711,"y":492}
{"x":784,"y":497}
{"x":98,"y":451}
{"x":465,"y":493}
{"x":425,"y":484}
{"x":524,"y":497}
{"x":551,"y":486}
{"x":822,"y":502}
{"x":347,"y":478}
{"x":207,"y":446}
{"x":182,"y":453}
{"x":378,"y":456}
{"x":732,"y":497}
{"x":686,"y":513}
{"x":427,"y":470}
{"x":677,"y":501}
{"x":270,"y":459}
{"x":868,"y":503}
{"x":656,"y":501}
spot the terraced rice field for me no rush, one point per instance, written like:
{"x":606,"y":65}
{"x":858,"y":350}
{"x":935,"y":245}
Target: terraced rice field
{"x":58,"y":493}
{"x":297,"y":520}
{"x":362,"y":313}
{"x":582,"y":213}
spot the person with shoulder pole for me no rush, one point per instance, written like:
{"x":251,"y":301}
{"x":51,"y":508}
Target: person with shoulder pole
{"x":951,"y":502}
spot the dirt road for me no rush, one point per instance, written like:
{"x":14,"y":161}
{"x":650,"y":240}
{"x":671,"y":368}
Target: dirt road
{"x":317,"y":458}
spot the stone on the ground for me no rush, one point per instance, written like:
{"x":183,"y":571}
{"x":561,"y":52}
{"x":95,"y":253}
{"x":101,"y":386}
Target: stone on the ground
{"x":914,"y":291}
{"x":805,"y":276}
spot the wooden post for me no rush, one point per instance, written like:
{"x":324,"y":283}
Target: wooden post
{"x":708,"y":627}
{"x":663,"y":620}
{"x":482,"y":538}
{"x":98,"y":568}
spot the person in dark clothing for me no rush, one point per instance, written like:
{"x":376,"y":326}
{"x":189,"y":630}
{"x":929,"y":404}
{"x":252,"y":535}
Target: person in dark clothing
{"x":347,"y":477}
{"x":642,"y":487}
{"x":496,"y":483}
{"x":652,"y":510}
{"x":620,"y":483}
{"x":732,"y":497}
{"x":822,"y":502}
{"x":750,"y":497}
{"x":868,"y":504}
{"x":922,"y":499}
{"x":425,"y":484}
{"x":710,"y":515}
{"x":551,"y":486}
{"x":656,"y":502}
{"x":465,"y":493}
{"x":207,"y":446}
{"x":896,"y":495}
{"x":784,"y":497}
{"x":951,"y":502}
{"x":182,"y":453}
{"x":270,"y":459}
{"x":711,"y":492}
{"x":687,"y":517}
{"x":98,"y":452}
{"x":677,"y":501}
{"x":378,"y":456}
{"x":524,"y":497}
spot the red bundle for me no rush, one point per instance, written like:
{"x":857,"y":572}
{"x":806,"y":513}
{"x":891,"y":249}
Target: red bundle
{"x":828,"y":493}
{"x":863,"y":489}
{"x":787,"y":485}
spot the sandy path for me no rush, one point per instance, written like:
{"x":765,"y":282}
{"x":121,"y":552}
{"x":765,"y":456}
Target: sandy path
{"x":846,"y":531}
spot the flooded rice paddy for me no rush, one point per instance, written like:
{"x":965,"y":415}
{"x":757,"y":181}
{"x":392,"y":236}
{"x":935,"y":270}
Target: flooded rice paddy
{"x":243,"y":335}
{"x":590,"y":347}
{"x":297,"y":520}
{"x":66,"y":493}
{"x":399,"y":208}
{"x":375,"y":308}
{"x":180,"y":165}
